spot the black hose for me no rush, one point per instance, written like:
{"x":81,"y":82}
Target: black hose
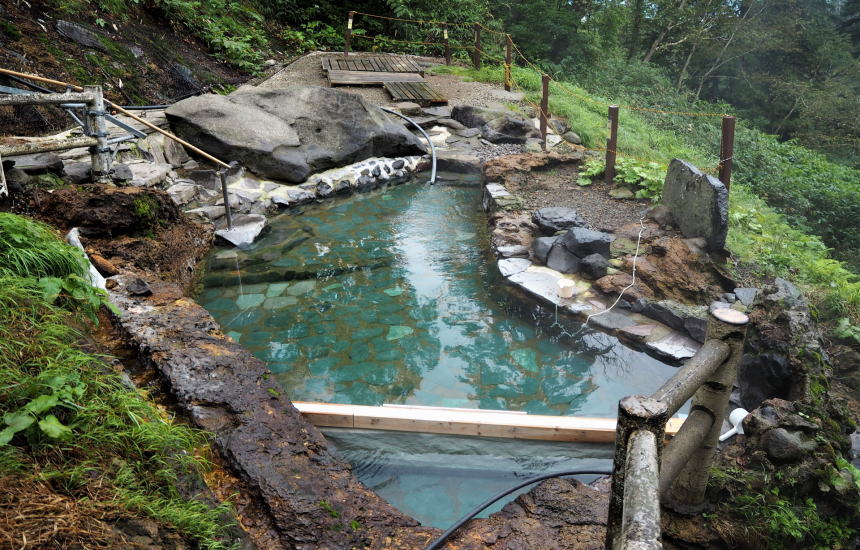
{"x":436,"y":544}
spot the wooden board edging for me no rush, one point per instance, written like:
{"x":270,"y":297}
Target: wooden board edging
{"x":471,"y":422}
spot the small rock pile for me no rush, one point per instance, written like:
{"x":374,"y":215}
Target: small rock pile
{"x":571,"y":247}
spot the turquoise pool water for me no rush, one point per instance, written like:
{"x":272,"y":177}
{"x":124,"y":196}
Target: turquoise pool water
{"x":394,"y":297}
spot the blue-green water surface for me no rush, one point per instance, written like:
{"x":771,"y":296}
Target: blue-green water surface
{"x":393,"y":297}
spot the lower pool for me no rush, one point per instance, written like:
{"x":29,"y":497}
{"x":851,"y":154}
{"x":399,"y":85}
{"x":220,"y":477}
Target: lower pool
{"x":393,"y":297}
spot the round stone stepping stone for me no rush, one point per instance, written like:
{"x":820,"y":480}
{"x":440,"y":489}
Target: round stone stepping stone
{"x":398,"y":331}
{"x":351,"y":371}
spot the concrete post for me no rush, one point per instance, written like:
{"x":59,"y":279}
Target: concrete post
{"x":687,"y":494}
{"x":635,"y":413}
{"x":95,"y":119}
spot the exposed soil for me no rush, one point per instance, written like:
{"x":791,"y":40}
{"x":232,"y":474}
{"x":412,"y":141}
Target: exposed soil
{"x":135,"y":229}
{"x":142,"y":62}
{"x":555,"y":184}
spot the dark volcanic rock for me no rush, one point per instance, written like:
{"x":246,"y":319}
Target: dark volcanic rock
{"x":785,"y":446}
{"x":80,"y":34}
{"x":541,"y":247}
{"x":562,"y":260}
{"x":289,"y":133}
{"x":553,"y":219}
{"x":40,"y":163}
{"x":260,"y":434}
{"x":594,"y":266}
{"x":582,"y":242}
{"x":699,"y":203}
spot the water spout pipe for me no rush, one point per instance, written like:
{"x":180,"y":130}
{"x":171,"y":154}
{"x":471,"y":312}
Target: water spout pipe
{"x":427,"y":137}
{"x":436,"y":544}
{"x":736,"y":419}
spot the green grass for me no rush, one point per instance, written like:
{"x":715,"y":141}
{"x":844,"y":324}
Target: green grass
{"x":67,"y":417}
{"x":758,"y":234}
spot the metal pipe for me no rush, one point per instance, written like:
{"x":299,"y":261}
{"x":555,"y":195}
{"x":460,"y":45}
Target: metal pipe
{"x":30,"y":84}
{"x":427,"y":137}
{"x":100,"y":153}
{"x":222,"y":173}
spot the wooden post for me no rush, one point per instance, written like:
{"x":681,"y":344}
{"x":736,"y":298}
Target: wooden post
{"x":508,"y":59}
{"x":476,"y":56}
{"x":347,"y":38}
{"x":544,"y":107}
{"x":635,"y":413}
{"x":447,"y":44}
{"x":727,"y":150}
{"x":687,"y":493}
{"x":640,"y":523}
{"x":611,"y":144}
{"x":95,"y":119}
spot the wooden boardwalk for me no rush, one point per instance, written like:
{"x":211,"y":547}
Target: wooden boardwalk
{"x":368,"y":78}
{"x":381,"y":64}
{"x":401,"y":77}
{"x":416,"y":92}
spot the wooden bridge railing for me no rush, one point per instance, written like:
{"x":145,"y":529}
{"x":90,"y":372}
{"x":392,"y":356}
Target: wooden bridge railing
{"x":646,"y":474}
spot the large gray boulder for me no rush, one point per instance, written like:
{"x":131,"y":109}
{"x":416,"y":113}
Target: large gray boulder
{"x":509,"y":129}
{"x":289,"y":133}
{"x":699,"y":203}
{"x":475,"y":117}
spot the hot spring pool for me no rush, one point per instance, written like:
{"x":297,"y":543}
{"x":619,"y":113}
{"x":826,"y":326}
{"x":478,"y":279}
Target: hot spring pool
{"x":393,"y":297}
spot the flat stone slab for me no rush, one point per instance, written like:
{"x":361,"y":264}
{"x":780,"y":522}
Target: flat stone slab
{"x":674,"y":346}
{"x":511,"y":266}
{"x":246,"y":229}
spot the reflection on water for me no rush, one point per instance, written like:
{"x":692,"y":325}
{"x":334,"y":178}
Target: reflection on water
{"x":392,"y":297}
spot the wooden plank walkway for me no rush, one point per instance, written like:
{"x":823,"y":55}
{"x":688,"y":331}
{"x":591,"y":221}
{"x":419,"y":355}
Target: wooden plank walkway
{"x":416,"y":92}
{"x":368,"y":78}
{"x":381,"y":63}
{"x":471,"y":422}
